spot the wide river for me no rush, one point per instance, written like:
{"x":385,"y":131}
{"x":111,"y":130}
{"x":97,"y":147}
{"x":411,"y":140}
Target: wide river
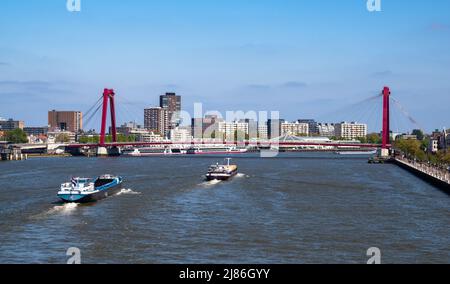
{"x":296,"y":208}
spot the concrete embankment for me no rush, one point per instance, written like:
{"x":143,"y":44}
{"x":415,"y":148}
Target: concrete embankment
{"x":436,"y":177}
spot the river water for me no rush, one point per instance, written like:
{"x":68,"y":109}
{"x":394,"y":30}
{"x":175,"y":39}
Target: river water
{"x":296,"y":208}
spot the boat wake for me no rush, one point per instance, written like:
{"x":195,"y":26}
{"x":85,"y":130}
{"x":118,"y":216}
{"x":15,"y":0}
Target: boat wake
{"x":210,"y":183}
{"x":64,"y":209}
{"x":128,"y":191}
{"x":241,"y":175}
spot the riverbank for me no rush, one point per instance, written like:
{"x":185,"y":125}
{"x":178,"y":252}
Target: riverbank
{"x":432,"y":175}
{"x":30,"y":156}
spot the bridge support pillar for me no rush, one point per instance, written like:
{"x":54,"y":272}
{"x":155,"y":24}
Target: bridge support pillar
{"x":384,"y":153}
{"x":112,"y":151}
{"x":102,"y":151}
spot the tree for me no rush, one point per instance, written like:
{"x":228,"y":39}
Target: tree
{"x":419,"y":134}
{"x":16,"y":136}
{"x":62,"y":138}
{"x":363,"y":140}
{"x":411,"y":148}
{"x":374,"y":138}
{"x":426,"y":143}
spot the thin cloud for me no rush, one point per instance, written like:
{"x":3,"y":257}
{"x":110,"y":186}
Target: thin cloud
{"x":258,"y":86}
{"x":438,"y":27}
{"x":384,"y":73}
{"x":289,"y":84}
{"x":294,"y":84}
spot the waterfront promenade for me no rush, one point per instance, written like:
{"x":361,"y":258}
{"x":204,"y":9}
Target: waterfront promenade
{"x":438,"y":174}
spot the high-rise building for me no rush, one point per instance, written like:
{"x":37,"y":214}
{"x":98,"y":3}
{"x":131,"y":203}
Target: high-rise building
{"x":156,"y":119}
{"x":66,"y":120}
{"x":172,"y":103}
{"x":350,"y":131}
{"x":10,"y":124}
{"x":312,"y":126}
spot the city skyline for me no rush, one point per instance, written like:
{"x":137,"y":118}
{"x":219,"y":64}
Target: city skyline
{"x":318,"y":56}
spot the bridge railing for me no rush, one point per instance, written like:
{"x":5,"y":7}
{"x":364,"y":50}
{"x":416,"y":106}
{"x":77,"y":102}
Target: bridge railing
{"x":433,"y":171}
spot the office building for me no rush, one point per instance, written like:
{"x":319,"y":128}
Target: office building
{"x":71,"y":121}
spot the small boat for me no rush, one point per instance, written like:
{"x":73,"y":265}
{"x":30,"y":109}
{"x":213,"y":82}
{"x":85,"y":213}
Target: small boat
{"x":84,"y":190}
{"x":155,"y":152}
{"x":357,"y":152}
{"x":221,"y":172}
{"x":216,"y":151}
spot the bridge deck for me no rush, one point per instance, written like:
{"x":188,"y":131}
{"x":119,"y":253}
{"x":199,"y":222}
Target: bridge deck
{"x":247,"y":143}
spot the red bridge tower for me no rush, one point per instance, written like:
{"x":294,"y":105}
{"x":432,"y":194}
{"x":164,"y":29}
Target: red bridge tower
{"x":108,"y":95}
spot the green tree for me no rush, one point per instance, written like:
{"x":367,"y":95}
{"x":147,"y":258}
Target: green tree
{"x":62,"y":138}
{"x":426,"y":143}
{"x":374,"y":138}
{"x":16,"y":136}
{"x":89,"y":139}
{"x":411,"y":148}
{"x":363,"y":140}
{"x":419,"y":134}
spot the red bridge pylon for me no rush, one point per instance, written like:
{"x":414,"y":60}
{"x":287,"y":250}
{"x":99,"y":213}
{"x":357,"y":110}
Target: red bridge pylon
{"x":108,"y":94}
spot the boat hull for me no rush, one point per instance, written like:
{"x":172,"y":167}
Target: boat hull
{"x":222,"y":177}
{"x":104,"y":192}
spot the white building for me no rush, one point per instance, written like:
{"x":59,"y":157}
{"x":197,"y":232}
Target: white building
{"x":147,"y":136}
{"x":230,"y":128}
{"x":180,"y":134}
{"x":263,"y":131}
{"x":350,"y":131}
{"x":294,"y":128}
{"x":326,"y":129}
{"x":58,"y":136}
{"x":434,"y":146}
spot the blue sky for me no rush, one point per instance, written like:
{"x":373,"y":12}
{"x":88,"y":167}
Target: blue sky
{"x":304,"y":58}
